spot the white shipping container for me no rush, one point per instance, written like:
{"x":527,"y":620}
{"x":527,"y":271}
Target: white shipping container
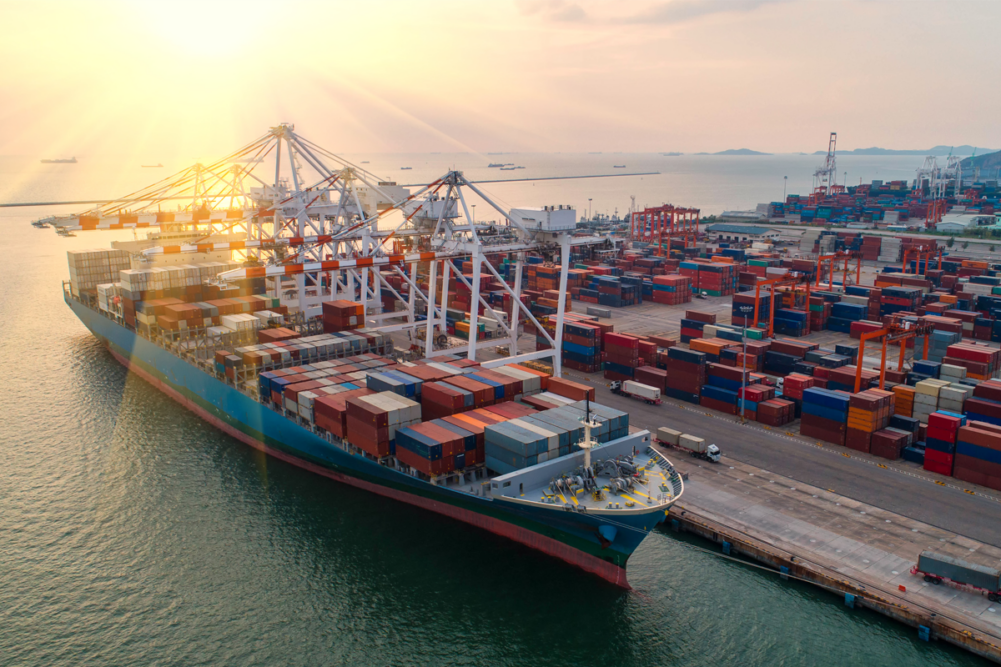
{"x":691,"y":442}
{"x":668,"y":435}
{"x":639,"y":389}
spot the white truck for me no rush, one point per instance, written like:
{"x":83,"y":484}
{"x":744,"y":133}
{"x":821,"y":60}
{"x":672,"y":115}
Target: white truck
{"x":637,"y":390}
{"x":697,"y":447}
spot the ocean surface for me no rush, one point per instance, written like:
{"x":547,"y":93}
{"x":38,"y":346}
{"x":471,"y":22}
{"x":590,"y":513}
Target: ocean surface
{"x":132,"y":533}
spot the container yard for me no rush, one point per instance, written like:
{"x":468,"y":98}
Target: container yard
{"x":491,"y":374}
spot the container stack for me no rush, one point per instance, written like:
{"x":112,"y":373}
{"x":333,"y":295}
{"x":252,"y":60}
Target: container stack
{"x":722,"y":388}
{"x":825,"y":415}
{"x":776,"y":412}
{"x":432,"y":448}
{"x":686,"y":374}
{"x":978,"y":454}
{"x":869,"y":411}
{"x":620,"y":357}
{"x":341,"y":315}
{"x":582,"y":347}
{"x":889,"y":250}
{"x":888,"y":443}
{"x":985,"y":405}
{"x":671,"y":290}
{"x":652,"y":376}
{"x":903,"y":400}
{"x":372,"y":421}
{"x":926,"y":398}
{"x":940,"y":442}
{"x":980,"y":362}
{"x":90,"y":268}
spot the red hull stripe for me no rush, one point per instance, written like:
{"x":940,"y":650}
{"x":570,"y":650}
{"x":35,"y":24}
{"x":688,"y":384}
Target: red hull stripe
{"x":548,"y":545}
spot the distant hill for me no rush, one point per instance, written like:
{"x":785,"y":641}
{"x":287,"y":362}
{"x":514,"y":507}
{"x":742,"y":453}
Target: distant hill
{"x":741,"y":151}
{"x":672,"y":154}
{"x":988,"y":164}
{"x":938,"y":151}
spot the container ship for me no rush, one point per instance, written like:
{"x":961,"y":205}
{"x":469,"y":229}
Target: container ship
{"x":503,"y":445}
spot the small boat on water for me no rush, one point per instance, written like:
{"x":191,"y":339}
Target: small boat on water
{"x":64,"y":160}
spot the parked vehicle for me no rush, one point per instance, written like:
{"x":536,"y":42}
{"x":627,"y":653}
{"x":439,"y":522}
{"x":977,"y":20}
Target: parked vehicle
{"x":937,"y":568}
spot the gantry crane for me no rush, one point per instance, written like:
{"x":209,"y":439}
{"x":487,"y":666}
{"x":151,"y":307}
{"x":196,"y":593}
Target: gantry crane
{"x":837,"y":258}
{"x":653,"y":225}
{"x":326,"y":229}
{"x":795,"y":280}
{"x":920,"y":252}
{"x":897,"y":331}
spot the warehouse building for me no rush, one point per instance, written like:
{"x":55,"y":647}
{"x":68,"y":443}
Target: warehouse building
{"x":957,"y":223}
{"x":724,"y":232}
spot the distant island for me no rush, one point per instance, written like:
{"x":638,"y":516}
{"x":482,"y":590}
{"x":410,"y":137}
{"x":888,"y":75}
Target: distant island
{"x":938,"y":151}
{"x":736,"y":151}
{"x":672,"y":154}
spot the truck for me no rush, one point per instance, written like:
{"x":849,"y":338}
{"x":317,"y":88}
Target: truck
{"x":639,"y":391}
{"x":696,"y":447}
{"x":938,"y":568}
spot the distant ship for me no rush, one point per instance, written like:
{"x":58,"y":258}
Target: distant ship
{"x":364,"y":161}
{"x":508,"y":168}
{"x":71,"y":160}
{"x":152,"y":166}
{"x":405,"y":168}
{"x":495,"y":164}
{"x":618,"y":166}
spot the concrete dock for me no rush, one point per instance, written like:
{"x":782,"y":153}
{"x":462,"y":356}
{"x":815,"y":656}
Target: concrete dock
{"x":840,"y":544}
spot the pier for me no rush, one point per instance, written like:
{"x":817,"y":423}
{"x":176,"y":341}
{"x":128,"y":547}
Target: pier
{"x":859,"y":552}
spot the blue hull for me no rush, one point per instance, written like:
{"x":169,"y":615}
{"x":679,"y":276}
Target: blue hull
{"x":571,"y":536}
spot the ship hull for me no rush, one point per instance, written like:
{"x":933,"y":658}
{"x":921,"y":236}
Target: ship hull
{"x":571,"y":537}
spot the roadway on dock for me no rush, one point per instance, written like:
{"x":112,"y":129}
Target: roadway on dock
{"x":914,"y":495}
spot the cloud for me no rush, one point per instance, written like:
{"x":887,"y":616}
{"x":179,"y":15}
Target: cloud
{"x":681,"y":11}
{"x":552,"y":10}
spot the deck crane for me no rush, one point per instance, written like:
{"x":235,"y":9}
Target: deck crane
{"x":795,"y":280}
{"x":898,"y":331}
{"x":840,"y":257}
{"x":322,"y":228}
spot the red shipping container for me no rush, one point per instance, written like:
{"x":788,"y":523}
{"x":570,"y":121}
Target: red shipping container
{"x":938,"y":462}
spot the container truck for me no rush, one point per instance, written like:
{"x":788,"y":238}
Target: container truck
{"x":633,"y":389}
{"x":696,"y":447}
{"x":937,"y":568}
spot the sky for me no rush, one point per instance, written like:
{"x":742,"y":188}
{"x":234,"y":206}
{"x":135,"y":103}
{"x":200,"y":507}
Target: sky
{"x":193,"y":79}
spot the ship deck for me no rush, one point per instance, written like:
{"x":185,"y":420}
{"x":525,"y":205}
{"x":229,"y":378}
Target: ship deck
{"x":655,"y":485}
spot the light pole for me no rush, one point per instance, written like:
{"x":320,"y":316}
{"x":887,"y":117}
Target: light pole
{"x":589,"y":209}
{"x":785,"y":182}
{"x":745,"y":310}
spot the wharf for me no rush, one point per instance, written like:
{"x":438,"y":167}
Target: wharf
{"x":854,"y":549}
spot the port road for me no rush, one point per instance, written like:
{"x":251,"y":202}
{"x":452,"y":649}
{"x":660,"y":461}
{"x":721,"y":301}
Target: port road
{"x":899,"y":487}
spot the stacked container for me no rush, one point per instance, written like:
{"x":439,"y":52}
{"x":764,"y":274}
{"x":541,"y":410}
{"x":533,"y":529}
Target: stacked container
{"x":888,"y":443}
{"x":722,"y":387}
{"x":903,"y":401}
{"x":940,"y":442}
{"x":686,"y":374}
{"x":372,"y":421}
{"x":620,"y":357}
{"x":985,"y":406}
{"x":869,"y":411}
{"x":825,"y":415}
{"x":978,"y":454}
{"x":671,"y":290}
{"x":926,"y":398}
{"x":341,"y":315}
